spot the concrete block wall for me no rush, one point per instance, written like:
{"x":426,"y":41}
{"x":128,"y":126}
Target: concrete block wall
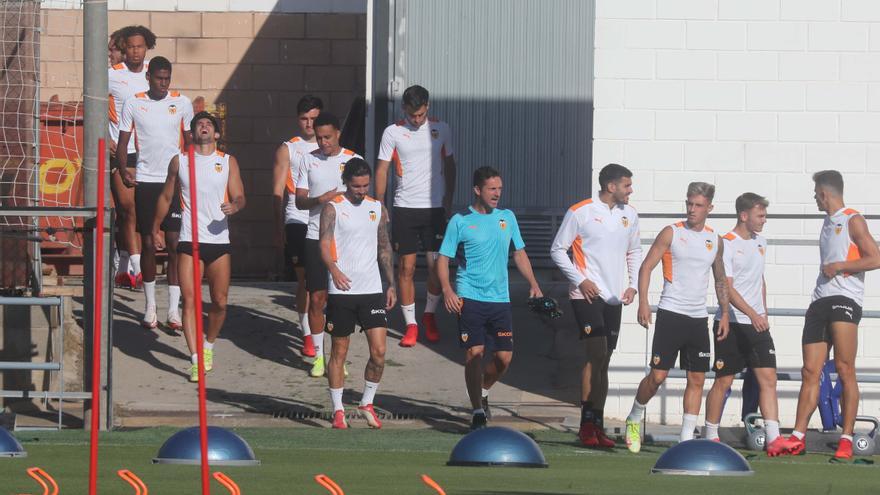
{"x":751,"y":96}
{"x":258,"y":63}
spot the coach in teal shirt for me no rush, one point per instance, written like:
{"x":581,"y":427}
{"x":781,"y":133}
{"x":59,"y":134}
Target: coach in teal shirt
{"x":482,"y":298}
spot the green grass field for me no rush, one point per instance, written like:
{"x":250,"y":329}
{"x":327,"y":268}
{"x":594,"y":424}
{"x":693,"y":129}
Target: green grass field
{"x":390,"y":461}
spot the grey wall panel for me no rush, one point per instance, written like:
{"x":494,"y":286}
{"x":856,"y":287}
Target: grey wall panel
{"x":514,"y":80}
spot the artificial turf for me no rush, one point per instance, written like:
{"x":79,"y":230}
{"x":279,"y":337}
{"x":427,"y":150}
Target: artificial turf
{"x":390,"y":461}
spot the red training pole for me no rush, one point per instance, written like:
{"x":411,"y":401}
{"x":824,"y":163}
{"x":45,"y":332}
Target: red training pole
{"x":98,"y":299}
{"x":200,"y":337}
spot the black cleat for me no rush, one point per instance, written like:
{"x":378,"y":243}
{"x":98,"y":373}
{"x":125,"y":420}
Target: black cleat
{"x":478,"y":421}
{"x":484,"y":403}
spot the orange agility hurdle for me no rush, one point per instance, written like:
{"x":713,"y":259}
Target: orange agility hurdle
{"x":139,"y":487}
{"x":433,"y":484}
{"x":38,"y":474}
{"x":227,"y":482}
{"x":329,"y":484}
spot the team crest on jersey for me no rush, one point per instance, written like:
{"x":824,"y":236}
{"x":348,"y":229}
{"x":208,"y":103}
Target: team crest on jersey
{"x":588,"y":329}
{"x":761,"y":250}
{"x":625,"y":222}
{"x":218,"y":167}
{"x":656,"y":359}
{"x":435,"y":133}
{"x":372,"y":215}
{"x":502,"y":223}
{"x":341,"y":167}
{"x":709,"y":244}
{"x":719,"y":364}
{"x":838,"y":228}
{"x":172,"y":109}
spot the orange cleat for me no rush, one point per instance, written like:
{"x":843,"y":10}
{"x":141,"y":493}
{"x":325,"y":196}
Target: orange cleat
{"x":308,"y":349}
{"x":785,"y":446}
{"x":369,"y":414}
{"x":339,"y":420}
{"x":844,"y":450}
{"x":122,"y":280}
{"x":432,"y":333}
{"x":604,"y":441}
{"x":136,"y":281}
{"x":588,"y":435}
{"x":411,"y":335}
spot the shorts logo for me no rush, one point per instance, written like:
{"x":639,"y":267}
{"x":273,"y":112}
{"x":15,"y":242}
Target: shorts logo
{"x":588,"y":329}
{"x":761,"y":250}
{"x":656,"y":359}
{"x":838,"y":228}
{"x":172,"y":109}
{"x":772,"y":351}
{"x":464,"y":337}
{"x":709,"y":244}
{"x":435,"y":133}
{"x":704,"y":354}
{"x":176,"y":215}
{"x":504,"y":333}
{"x":719,"y":364}
{"x":439,"y":237}
{"x":377,"y":311}
{"x":502,"y":223}
{"x":218,"y":167}
{"x":329,"y":326}
{"x":372,"y":215}
{"x":625,"y":222}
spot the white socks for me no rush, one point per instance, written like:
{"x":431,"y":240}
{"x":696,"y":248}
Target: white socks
{"x":173,"y":299}
{"x":336,"y":397}
{"x":432,"y":302}
{"x":798,"y":434}
{"x":771,"y":430}
{"x":135,"y":262}
{"x":485,"y":392}
{"x":208,"y":346}
{"x":195,"y":359}
{"x":150,"y":294}
{"x":637,"y":412}
{"x":409,"y":313}
{"x":369,"y":392}
{"x":688,"y":423}
{"x":318,"y":340}
{"x":304,"y":324}
{"x":710,"y":432}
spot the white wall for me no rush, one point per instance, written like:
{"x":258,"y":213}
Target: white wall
{"x":751,"y":95}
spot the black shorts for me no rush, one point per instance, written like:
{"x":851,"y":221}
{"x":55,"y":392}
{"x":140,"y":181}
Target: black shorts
{"x":744,"y":347}
{"x":598,"y":319}
{"x":146,"y":197}
{"x":316,"y":270}
{"x":294,"y":242}
{"x":822,"y":312}
{"x":676,"y":334}
{"x":208,"y":253}
{"x":345,"y":311}
{"x":130,"y":160}
{"x":415,"y":230}
{"x":486,"y":323}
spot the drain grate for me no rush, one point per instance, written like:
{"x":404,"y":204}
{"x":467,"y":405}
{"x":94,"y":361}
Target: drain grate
{"x":299,"y":414}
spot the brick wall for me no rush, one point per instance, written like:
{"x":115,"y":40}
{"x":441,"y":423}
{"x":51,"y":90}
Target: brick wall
{"x":749,"y":95}
{"x":257,"y":63}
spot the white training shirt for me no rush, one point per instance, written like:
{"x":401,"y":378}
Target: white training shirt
{"x":124,"y":84}
{"x":418,"y":156}
{"x":159,"y":124}
{"x":296,"y":148}
{"x":686,"y":266}
{"x":320,"y":173}
{"x":602,"y":241}
{"x":355,"y":245}
{"x":744,"y":263}
{"x":212,"y":183}
{"x":835,"y":245}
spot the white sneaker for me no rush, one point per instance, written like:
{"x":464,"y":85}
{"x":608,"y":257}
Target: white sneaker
{"x":150,"y":320}
{"x":173,"y":321}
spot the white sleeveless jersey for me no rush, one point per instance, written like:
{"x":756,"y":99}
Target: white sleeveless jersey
{"x":212,"y":181}
{"x":124,"y":84}
{"x":744,"y":262}
{"x":604,"y":246}
{"x":686,"y":267}
{"x":835,"y":244}
{"x":320,"y":173}
{"x":355,"y":245}
{"x":296,"y":148}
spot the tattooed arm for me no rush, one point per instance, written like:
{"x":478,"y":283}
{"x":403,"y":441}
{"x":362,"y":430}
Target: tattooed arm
{"x":721,"y":291}
{"x":385,"y":260}
{"x":327,"y":239}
